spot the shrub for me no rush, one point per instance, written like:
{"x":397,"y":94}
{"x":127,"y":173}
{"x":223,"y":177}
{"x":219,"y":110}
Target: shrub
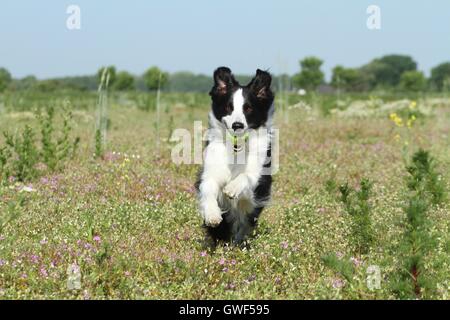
{"x":426,"y":189}
{"x":21,"y":154}
{"x":356,"y":203}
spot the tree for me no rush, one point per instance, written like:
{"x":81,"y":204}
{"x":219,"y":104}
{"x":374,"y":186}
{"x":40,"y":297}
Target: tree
{"x":310,"y":75}
{"x":440,"y":76}
{"x":48,"y":85}
{"x":124,"y":81}
{"x":387,"y":71}
{"x":413,"y":81}
{"x":27,"y":82}
{"x":5,"y":79}
{"x":112,"y":75}
{"x":347,"y":79}
{"x":154,"y":78}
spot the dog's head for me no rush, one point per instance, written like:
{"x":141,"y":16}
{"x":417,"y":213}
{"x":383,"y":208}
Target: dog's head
{"x":238,"y":107}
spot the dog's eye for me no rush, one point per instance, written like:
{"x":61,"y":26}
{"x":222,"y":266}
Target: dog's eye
{"x":228,"y":108}
{"x":247,"y":108}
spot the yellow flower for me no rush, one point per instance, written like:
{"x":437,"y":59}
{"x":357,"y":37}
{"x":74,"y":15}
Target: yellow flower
{"x":412,"y":105}
{"x":396,"y":119}
{"x":411,"y":121}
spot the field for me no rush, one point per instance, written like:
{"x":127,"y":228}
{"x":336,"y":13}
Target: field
{"x":127,"y":222}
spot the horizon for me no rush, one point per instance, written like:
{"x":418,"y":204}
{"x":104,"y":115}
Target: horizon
{"x":178,"y":36}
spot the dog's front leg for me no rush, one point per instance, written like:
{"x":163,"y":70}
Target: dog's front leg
{"x":215,"y":174}
{"x":246,"y":182}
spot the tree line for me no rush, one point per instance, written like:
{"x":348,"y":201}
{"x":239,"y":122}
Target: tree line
{"x":390,"y":72}
{"x":397,"y":72}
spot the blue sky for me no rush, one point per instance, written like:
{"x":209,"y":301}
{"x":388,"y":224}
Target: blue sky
{"x":201,"y":35}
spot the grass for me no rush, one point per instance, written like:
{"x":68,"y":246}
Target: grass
{"x":129,"y":220}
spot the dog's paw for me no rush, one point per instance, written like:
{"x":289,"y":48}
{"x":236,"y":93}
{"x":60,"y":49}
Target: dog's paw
{"x":213,"y":215}
{"x":234,"y":188}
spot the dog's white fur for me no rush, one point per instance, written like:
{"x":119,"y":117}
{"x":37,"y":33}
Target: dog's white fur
{"x":227,"y":183}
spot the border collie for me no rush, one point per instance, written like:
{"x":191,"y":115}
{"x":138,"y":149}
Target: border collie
{"x":235,"y":181}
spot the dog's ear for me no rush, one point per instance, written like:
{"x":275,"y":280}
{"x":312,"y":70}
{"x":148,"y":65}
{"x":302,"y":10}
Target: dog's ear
{"x":223,"y":81}
{"x":260,"y":84}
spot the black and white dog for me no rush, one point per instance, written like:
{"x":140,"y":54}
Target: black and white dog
{"x":235,"y":181}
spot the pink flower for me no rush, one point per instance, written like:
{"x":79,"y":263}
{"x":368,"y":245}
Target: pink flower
{"x":43,"y":272}
{"x":222,"y":261}
{"x":203,"y":254}
{"x":233,"y":262}
{"x":230,"y":286}
{"x":34,"y":258}
{"x":284,"y":244}
{"x":356,"y":261}
{"x":338,"y":283}
{"x":97,"y":239}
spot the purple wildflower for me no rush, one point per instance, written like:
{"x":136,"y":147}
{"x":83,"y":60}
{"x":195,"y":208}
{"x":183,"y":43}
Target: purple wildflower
{"x":34,"y":258}
{"x":356,"y":261}
{"x":43,"y":272}
{"x":338,"y":283}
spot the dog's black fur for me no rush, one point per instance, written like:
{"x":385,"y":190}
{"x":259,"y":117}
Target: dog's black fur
{"x":258,"y":102}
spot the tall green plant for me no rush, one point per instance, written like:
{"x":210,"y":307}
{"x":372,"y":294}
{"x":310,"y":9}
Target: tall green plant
{"x":22,"y":152}
{"x":425,"y":190}
{"x":26,"y":155}
{"x":101,"y":117}
{"x":356,"y":203}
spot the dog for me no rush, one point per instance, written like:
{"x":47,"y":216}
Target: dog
{"x":234,"y":183}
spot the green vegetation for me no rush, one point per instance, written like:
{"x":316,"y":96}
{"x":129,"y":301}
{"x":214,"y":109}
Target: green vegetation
{"x":110,"y":71}
{"x":440,"y":76}
{"x":24,"y":159}
{"x":5,"y":79}
{"x":128,"y":219}
{"x":310,"y":76}
{"x":124,"y":81}
{"x":155,"y":79}
{"x":413,"y":81}
{"x":356,"y":203}
{"x":413,"y":280}
{"x":389,"y":73}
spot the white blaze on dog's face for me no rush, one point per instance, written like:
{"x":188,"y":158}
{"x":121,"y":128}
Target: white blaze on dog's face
{"x":238,"y":107}
{"x":237,"y":117}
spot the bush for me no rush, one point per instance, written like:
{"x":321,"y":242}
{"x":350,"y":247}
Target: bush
{"x":356,"y":203}
{"x":426,"y":189}
{"x":22,"y":153}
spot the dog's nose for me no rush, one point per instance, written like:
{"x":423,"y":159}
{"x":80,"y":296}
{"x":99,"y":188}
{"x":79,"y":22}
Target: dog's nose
{"x":237,"y":125}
